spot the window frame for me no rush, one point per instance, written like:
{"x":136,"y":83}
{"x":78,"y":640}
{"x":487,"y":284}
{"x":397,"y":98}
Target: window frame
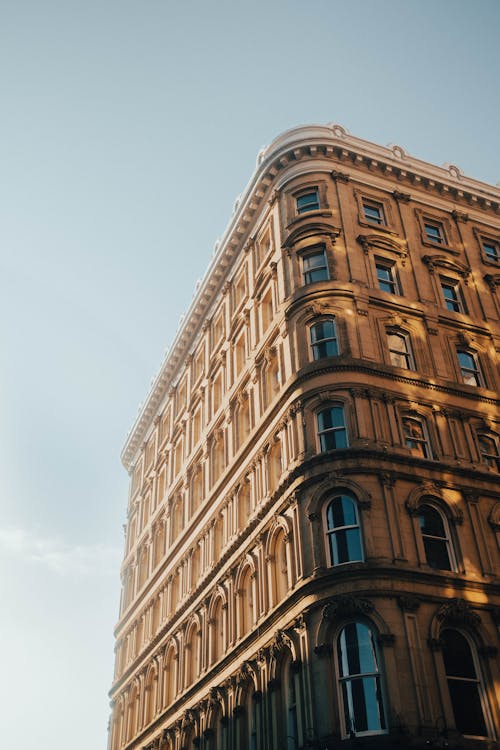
{"x":378,"y":675}
{"x":324,"y":341}
{"x":495,"y":244}
{"x":331,"y":532}
{"x":368,"y":205}
{"x":447,"y":539}
{"x":437,"y":240}
{"x":424,"y":441}
{"x":381,"y":202}
{"x":305,"y":255}
{"x":393,"y":281}
{"x":476,"y":371}
{"x":456,"y":302}
{"x":407,"y":354}
{"x":485,"y":455}
{"x":333,"y":430}
{"x":312,"y":190}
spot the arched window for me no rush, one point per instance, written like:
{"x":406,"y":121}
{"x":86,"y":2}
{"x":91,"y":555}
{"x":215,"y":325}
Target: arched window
{"x":332,"y":431}
{"x":360,"y":681}
{"x":324,"y":339}
{"x":217,"y":631}
{"x":464,"y":684}
{"x":169,"y":678}
{"x":436,"y":538}
{"x":342,"y":531}
{"x":279,"y":569}
{"x":488,"y":447}
{"x":290,"y":705}
{"x":246,"y":603}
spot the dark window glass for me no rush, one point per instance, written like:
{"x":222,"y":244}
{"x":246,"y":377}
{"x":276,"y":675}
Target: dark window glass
{"x":324,"y":339}
{"x":463,"y":684}
{"x":489,"y":451}
{"x":308,"y":202}
{"x":416,"y":436}
{"x":491,"y":250}
{"x":434,"y":233}
{"x":374,"y":213}
{"x":452,"y":299}
{"x":435,"y":538}
{"x":331,"y":428}
{"x":343,"y":531}
{"x":387,"y":281}
{"x":469,"y":368}
{"x":359,"y":675}
{"x":315,"y":267}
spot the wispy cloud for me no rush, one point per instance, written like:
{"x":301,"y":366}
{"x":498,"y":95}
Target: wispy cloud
{"x":58,"y":555}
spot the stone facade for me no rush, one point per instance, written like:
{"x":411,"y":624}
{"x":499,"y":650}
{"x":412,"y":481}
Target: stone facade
{"x":313,"y":535}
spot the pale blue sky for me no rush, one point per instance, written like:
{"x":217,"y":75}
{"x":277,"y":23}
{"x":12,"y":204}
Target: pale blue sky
{"x":127,"y":129}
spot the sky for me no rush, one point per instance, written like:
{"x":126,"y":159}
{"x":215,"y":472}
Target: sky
{"x":127,"y":130}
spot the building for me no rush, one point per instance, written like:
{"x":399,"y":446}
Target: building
{"x":313,"y":532}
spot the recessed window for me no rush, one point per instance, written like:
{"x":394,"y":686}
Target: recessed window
{"x":374,"y":212}
{"x":324,"y":339}
{"x":464,"y":684}
{"x":308,"y":201}
{"x":434,"y":232}
{"x":491,"y":249}
{"x":469,"y":368}
{"x":360,"y":681}
{"x":400,"y":350}
{"x":332,"y":431}
{"x":416,"y":437}
{"x":488,"y":448}
{"x":452,"y":296}
{"x":342,"y":531}
{"x":435,"y":538}
{"x":315,"y":266}
{"x":387,"y":278}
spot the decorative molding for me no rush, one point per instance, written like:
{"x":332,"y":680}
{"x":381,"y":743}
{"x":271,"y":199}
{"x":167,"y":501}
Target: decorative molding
{"x":458,"y":612}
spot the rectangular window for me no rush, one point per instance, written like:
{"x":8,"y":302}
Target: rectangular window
{"x":308,"y":201}
{"x":491,"y":249}
{"x":452,"y":296}
{"x":400,"y":351}
{"x":416,"y":438}
{"x":315,"y":266}
{"x":469,"y":368}
{"x":332,"y":431}
{"x":374,"y":212}
{"x":387,"y":279}
{"x":434,"y":232}
{"x":324,"y":339}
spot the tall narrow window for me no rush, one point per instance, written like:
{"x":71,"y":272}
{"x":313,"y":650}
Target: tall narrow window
{"x":289,"y":687}
{"x":434,"y":232}
{"x":491,"y":250}
{"x":469,"y":368}
{"x":332,"y":431}
{"x":324,"y":339}
{"x":452,"y":296}
{"x":342,"y":531}
{"x":400,"y":350}
{"x":315,"y":266}
{"x":374,"y":212}
{"x":359,"y":676}
{"x":488,"y":447}
{"x":416,"y":437}
{"x":387,"y":278}
{"x":435,"y":537}
{"x":308,"y":201}
{"x":464,"y":685}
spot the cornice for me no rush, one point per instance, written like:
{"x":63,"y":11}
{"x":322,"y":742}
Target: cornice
{"x":308,"y":143}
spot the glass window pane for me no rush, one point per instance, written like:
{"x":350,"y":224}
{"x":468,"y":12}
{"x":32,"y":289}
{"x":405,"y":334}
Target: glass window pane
{"x":436,"y":554}
{"x":431,"y":522}
{"x":314,"y":261}
{"x":467,"y":708}
{"x":341,"y":512}
{"x":457,"y":655}
{"x":363,"y":705}
{"x":308,"y":202}
{"x":345,"y":546}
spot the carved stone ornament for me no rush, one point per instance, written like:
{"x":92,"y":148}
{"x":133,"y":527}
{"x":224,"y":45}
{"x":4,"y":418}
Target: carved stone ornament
{"x":323,"y":649}
{"x":458,"y":612}
{"x":347,"y":606}
{"x":339,"y":176}
{"x":403,"y":197}
{"x":408,"y":602}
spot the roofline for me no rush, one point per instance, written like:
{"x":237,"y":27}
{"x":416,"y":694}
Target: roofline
{"x":235,"y":235}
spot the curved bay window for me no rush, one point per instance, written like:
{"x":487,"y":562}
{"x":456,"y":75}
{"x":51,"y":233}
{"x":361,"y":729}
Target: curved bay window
{"x":360,"y":681}
{"x":464,"y":684}
{"x":435,"y":538}
{"x":332,"y":431}
{"x":342,"y":531}
{"x":324,"y":339}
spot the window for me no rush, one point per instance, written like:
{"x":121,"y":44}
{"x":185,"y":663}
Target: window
{"x":324,"y":339}
{"x":359,"y":678}
{"x":308,"y":201}
{"x":469,"y":368}
{"x":488,"y":449}
{"x":400,"y":350}
{"x":435,"y":537}
{"x":332,"y":432}
{"x":374,"y":212}
{"x":315,"y":266}
{"x":416,"y":438}
{"x":434,"y":232}
{"x":342,"y":531}
{"x":290,"y":694}
{"x":464,"y":685}
{"x":491,"y":249}
{"x":387,"y":279}
{"x":452,"y":296}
